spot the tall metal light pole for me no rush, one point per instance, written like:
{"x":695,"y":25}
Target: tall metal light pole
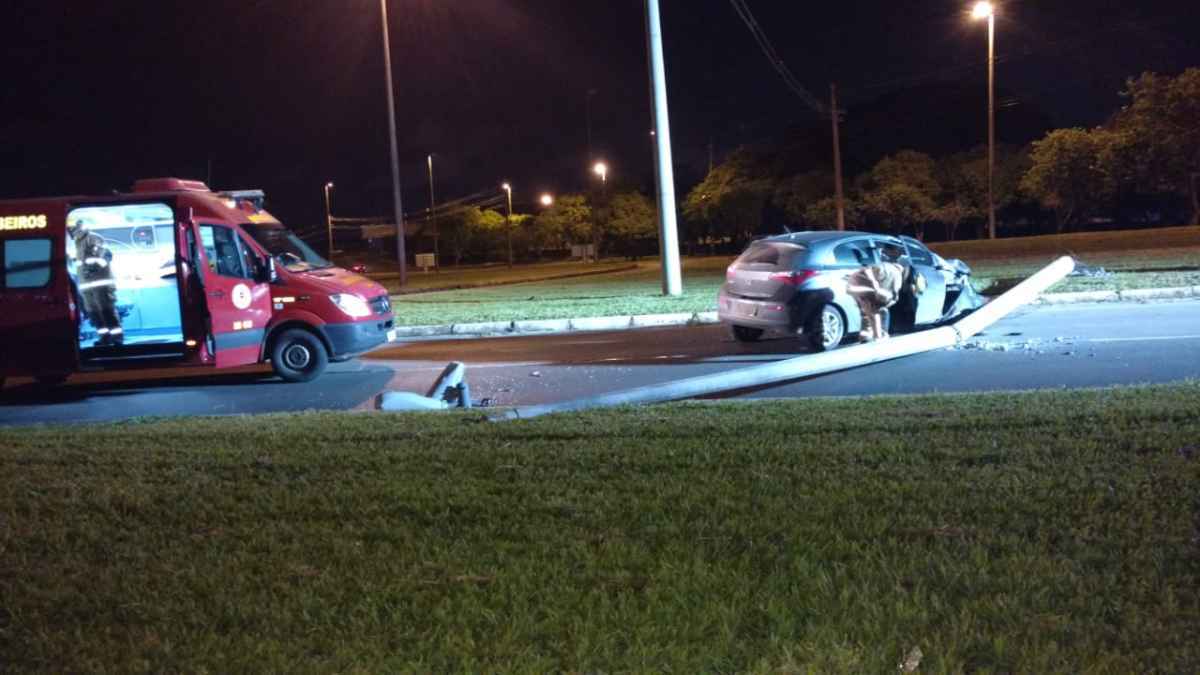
{"x":600,"y":169}
{"x":399,"y":210}
{"x":985,"y":10}
{"x":668,"y":237}
{"x":508,"y":222}
{"x":587,"y":112}
{"x":437,"y":261}
{"x":329,"y":219}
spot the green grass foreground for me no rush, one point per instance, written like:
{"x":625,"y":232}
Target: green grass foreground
{"x":1157,"y":258}
{"x":1036,"y":532}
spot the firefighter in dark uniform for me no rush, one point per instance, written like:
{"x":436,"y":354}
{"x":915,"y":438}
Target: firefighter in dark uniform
{"x":97,"y":285}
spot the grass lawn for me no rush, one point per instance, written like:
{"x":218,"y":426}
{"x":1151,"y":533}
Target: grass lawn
{"x":1166,"y":257}
{"x":1160,"y":258}
{"x":1037,"y":532}
{"x":487,"y":275}
{"x":630,"y":292}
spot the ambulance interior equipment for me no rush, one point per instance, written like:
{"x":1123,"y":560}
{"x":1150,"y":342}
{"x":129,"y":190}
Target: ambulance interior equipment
{"x":140,"y":239}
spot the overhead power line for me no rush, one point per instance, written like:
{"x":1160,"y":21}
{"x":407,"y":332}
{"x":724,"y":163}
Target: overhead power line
{"x":777,"y":63}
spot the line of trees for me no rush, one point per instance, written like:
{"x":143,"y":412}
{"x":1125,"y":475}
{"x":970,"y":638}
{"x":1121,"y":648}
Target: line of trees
{"x":622,"y":224}
{"x":1142,"y":166}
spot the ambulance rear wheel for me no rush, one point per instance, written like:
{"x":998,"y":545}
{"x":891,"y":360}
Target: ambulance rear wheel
{"x":298,"y":356}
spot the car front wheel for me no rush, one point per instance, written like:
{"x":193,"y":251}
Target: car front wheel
{"x":826,"y":329}
{"x":298,"y":356}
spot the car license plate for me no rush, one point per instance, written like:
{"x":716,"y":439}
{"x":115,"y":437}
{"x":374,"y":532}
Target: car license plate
{"x":391,"y":335}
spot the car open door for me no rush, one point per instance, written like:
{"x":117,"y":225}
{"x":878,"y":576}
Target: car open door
{"x":931,"y":301}
{"x":236,"y":292}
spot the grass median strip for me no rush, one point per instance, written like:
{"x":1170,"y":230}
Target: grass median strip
{"x":1037,"y":532}
{"x":1168,"y":257}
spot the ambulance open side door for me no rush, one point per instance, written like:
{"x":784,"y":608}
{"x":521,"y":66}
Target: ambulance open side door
{"x":236,"y":290}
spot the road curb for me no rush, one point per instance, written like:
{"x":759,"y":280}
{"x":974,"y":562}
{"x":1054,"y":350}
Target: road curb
{"x":1120,"y":296}
{"x":628,"y":322}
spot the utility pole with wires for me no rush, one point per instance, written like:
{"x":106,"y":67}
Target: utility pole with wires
{"x":834,"y":114}
{"x":743,"y":11}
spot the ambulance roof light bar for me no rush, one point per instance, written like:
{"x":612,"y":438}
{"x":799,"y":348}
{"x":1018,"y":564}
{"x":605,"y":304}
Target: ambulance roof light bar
{"x":254,"y":197}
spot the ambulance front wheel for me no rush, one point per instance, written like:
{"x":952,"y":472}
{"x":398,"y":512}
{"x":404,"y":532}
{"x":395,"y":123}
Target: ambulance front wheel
{"x":298,"y":356}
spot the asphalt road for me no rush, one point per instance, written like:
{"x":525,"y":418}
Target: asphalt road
{"x":1036,"y":347}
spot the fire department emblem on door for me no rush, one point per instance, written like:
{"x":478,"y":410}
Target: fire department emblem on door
{"x":241,"y":296}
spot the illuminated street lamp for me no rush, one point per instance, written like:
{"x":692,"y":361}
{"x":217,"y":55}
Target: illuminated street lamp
{"x":985,"y":10}
{"x":508,"y":221}
{"x":329,"y":219}
{"x":547,"y":199}
{"x":600,"y":169}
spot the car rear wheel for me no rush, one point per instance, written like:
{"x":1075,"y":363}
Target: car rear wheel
{"x":826,"y":329}
{"x":746,"y":333}
{"x":298,"y":356}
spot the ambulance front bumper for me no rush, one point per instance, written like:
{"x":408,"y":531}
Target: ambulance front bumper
{"x":352,"y":339}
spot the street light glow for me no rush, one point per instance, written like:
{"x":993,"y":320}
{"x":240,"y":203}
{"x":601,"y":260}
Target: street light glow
{"x":983,"y":10}
{"x":601,"y":170}
{"x":329,"y":185}
{"x":506,"y":187}
{"x":547,"y":199}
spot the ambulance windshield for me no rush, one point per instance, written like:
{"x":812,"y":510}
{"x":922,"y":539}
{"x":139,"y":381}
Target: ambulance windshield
{"x":286,"y":247}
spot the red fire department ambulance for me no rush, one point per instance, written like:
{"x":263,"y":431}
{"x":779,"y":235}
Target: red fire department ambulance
{"x":189,"y":276}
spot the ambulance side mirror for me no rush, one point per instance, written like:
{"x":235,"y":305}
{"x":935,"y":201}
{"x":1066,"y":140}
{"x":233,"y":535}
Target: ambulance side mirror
{"x":266,"y":273}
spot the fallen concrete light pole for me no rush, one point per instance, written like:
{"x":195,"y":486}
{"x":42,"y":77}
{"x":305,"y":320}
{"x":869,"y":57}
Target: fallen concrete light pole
{"x":449,"y":390}
{"x":819,"y":364}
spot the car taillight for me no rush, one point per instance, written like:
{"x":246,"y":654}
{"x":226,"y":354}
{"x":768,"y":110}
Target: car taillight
{"x":793,"y":278}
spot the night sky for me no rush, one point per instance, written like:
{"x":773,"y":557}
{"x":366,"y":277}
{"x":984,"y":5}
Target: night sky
{"x":287,"y":94}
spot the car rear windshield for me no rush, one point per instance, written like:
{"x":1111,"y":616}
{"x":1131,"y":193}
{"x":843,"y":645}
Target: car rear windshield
{"x":769,"y":255}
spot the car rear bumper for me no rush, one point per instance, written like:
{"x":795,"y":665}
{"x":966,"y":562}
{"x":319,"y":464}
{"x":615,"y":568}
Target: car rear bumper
{"x":789,"y":317}
{"x":754,"y":313}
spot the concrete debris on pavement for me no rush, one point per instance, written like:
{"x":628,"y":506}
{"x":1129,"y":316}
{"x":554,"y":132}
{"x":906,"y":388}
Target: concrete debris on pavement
{"x":1090,"y":272}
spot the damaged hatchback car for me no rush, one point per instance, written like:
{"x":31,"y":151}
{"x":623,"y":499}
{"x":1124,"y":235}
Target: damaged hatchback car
{"x":795,"y":283}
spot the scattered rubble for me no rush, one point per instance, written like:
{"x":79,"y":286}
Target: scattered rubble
{"x":1082,"y":270}
{"x":1030,"y":346}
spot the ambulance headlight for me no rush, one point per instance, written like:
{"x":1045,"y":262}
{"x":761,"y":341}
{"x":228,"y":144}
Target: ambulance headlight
{"x":351,"y":304}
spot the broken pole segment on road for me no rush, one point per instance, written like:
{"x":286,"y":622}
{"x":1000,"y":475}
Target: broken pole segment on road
{"x":818,"y":364}
{"x":449,"y":390}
